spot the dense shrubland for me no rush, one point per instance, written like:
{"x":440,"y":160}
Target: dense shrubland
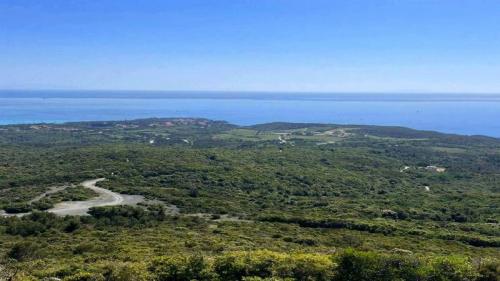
{"x":38,"y":223}
{"x":246,"y":198}
{"x":350,"y":265}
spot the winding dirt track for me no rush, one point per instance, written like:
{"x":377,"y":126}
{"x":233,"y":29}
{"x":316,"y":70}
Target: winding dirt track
{"x":106,"y":198}
{"x":80,"y":208}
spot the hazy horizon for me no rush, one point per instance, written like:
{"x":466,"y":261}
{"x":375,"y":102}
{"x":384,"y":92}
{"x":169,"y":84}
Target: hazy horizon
{"x":105,"y":93}
{"x":242,"y":91}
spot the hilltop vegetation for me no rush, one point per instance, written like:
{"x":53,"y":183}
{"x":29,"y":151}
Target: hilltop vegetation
{"x":280,"y":200}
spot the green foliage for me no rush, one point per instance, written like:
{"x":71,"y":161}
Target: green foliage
{"x":489,"y":270}
{"x":128,"y":215}
{"x":245,"y":266}
{"x":266,"y":265}
{"x":179,"y":268}
{"x":246,"y":196}
{"x":85,"y":276}
{"x":37,"y":223}
{"x":23,"y":251}
{"x":126,"y":272}
{"x":451,"y":269}
{"x":361,"y":266}
{"x":17,"y":208}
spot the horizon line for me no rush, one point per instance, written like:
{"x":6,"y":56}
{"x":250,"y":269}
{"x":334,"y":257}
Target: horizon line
{"x":251,"y":91}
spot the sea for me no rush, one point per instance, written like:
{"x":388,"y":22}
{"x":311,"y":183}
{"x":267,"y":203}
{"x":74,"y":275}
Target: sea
{"x":465,"y":114}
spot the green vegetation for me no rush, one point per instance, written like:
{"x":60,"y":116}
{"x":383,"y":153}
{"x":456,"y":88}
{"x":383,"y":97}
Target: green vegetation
{"x":267,"y":202}
{"x":349,"y":265}
{"x":16,"y":203}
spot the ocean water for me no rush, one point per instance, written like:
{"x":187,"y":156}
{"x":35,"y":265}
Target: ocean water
{"x":460,"y":114}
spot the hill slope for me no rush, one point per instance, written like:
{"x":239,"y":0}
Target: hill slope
{"x":306,"y":188}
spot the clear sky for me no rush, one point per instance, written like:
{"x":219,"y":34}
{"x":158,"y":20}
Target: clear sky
{"x":252,"y":45}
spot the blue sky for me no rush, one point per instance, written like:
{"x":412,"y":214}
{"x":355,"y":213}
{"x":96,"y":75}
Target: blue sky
{"x":253,"y":45}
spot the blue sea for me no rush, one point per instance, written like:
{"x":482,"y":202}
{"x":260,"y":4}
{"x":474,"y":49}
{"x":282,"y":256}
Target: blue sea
{"x":451,"y":113}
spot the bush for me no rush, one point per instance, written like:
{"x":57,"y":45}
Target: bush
{"x":18,"y":208}
{"x":367,"y":266}
{"x":180,"y":269}
{"x":32,"y":224}
{"x":85,"y":276}
{"x":126,"y":272}
{"x":128,"y":215}
{"x":361,"y":266}
{"x":72,"y":225}
{"x":42,"y":205}
{"x":230,"y":267}
{"x":267,"y":264}
{"x":24,"y":251}
{"x":489,"y":270}
{"x":258,"y":265}
{"x":307,"y":267}
{"x":255,"y":278}
{"x":24,"y":228}
{"x":451,"y":269}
